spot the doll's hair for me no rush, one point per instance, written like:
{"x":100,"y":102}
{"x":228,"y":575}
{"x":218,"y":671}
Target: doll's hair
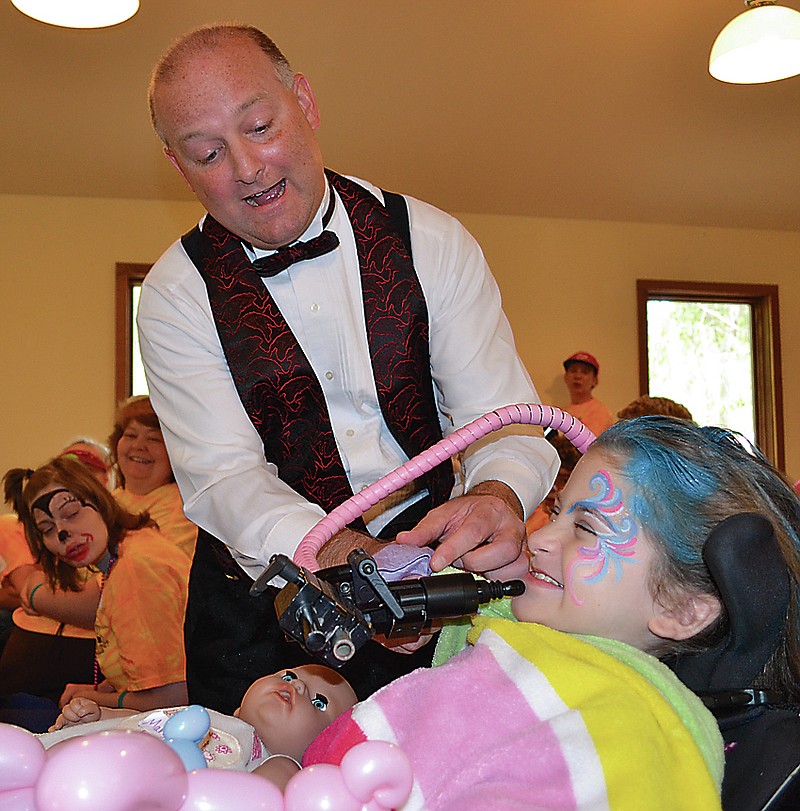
{"x":685,"y":479}
{"x":23,"y":485}
{"x":140,"y":409}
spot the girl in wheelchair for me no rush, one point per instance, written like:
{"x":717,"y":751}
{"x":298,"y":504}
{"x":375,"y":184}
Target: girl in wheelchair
{"x":671,"y":543}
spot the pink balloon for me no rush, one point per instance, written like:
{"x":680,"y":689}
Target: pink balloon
{"x":22,"y":758}
{"x":112,"y":771}
{"x":19,"y":799}
{"x":378,"y":773}
{"x":319,"y":788}
{"x":218,"y":790}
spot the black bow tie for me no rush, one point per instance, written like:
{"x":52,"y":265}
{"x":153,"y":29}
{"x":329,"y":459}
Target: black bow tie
{"x":284,"y":257}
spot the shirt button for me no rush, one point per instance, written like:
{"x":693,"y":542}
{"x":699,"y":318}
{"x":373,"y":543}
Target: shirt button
{"x":314,"y":308}
{"x":350,"y":432}
{"x":329,"y":375}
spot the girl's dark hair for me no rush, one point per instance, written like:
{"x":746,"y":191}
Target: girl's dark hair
{"x":23,"y":485}
{"x":686,"y":479}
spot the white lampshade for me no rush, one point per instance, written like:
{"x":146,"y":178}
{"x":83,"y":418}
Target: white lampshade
{"x":760,"y":45}
{"x":79,"y":13}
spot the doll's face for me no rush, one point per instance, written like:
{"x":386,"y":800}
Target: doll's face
{"x":591,"y":565}
{"x":71,"y":529}
{"x":291,"y":707}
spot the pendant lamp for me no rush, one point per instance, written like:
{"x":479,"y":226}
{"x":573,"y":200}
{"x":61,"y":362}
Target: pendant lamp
{"x":79,"y":13}
{"x":761,"y":45}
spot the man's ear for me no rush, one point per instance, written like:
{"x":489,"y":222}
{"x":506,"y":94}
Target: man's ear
{"x":173,"y":160}
{"x":694,"y":613}
{"x":306,"y":100}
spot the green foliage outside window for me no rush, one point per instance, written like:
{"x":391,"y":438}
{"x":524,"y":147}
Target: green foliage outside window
{"x":700,"y":354}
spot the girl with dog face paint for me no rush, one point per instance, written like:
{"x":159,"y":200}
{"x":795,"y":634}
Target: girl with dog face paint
{"x":71,"y":528}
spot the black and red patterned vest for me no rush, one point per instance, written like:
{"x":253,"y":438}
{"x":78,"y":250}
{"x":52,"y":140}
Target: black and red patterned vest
{"x":275,"y":380}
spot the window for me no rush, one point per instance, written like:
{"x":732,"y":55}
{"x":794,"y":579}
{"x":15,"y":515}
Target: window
{"x":129,"y":370}
{"x":716,"y":349}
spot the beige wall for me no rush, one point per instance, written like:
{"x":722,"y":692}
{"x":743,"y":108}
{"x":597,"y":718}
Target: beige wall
{"x":567,"y":285}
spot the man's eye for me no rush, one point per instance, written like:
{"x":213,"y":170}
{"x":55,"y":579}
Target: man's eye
{"x":288,"y":676}
{"x":320,"y":702}
{"x":209,"y":158}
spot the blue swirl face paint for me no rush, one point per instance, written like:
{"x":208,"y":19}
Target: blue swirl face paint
{"x":612,"y":549}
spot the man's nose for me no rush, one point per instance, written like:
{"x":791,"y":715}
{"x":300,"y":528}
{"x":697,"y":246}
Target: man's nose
{"x":246,"y":162}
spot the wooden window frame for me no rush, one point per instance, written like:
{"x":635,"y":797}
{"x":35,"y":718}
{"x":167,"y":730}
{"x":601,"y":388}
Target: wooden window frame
{"x":128,"y":276}
{"x":767,"y":375}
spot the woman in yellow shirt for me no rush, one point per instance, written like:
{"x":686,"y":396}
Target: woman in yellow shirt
{"x":145,"y":474}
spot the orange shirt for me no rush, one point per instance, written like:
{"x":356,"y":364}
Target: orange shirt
{"x":14,"y":551}
{"x":166,"y":509}
{"x":139,"y":624}
{"x":593,"y":414}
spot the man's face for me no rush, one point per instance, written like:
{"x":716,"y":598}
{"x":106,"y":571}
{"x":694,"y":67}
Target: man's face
{"x":244,"y":142}
{"x":580,"y":378}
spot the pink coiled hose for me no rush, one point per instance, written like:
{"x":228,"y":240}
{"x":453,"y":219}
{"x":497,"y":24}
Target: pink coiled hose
{"x":521,"y":414}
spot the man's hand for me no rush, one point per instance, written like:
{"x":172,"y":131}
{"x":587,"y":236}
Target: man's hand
{"x":335,"y":552}
{"x":481,"y":531}
{"x":80,"y":710}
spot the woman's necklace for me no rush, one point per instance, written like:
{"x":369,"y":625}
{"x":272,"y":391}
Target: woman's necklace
{"x":104,"y":565}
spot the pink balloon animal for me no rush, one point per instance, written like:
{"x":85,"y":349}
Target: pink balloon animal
{"x":129,"y":771}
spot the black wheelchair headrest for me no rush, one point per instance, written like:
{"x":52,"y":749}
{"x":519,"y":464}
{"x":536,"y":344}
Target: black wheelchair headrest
{"x":745,"y":562}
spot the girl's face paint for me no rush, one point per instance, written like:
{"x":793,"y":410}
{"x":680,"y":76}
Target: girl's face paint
{"x":614,"y":541}
{"x":72,"y":530}
{"x":591,"y":564}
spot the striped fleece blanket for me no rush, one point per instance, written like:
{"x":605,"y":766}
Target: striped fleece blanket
{"x":531,"y":718}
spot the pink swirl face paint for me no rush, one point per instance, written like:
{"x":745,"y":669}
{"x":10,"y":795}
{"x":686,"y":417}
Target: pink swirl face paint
{"x":611,"y":548}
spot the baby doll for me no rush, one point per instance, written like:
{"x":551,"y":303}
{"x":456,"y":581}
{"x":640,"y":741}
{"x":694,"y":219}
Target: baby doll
{"x":279,"y":716}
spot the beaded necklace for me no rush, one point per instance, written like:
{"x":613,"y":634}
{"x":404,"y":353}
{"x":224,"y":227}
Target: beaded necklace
{"x":104,"y":566}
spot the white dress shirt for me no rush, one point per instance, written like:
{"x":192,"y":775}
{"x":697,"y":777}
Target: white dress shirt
{"x":228,"y":487}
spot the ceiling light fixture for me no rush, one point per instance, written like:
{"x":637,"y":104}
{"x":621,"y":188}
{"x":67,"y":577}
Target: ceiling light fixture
{"x":761,"y":45}
{"x":79,"y":13}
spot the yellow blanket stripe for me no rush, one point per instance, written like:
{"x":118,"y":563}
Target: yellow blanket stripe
{"x":622,"y":710}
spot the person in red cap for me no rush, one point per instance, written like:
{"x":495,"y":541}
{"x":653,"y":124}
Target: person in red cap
{"x":581,"y":371}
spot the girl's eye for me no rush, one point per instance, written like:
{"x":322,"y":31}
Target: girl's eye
{"x":46,"y":529}
{"x":320,"y":702}
{"x":585,"y":527}
{"x":288,"y":676}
